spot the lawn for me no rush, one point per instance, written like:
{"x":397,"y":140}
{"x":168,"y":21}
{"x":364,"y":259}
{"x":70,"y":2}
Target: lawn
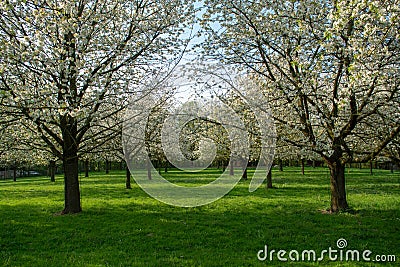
{"x":120,"y":227}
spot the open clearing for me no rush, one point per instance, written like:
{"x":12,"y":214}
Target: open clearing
{"x":120,"y":227}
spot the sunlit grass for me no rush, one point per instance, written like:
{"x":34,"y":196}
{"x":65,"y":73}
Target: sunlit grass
{"x":120,"y":227}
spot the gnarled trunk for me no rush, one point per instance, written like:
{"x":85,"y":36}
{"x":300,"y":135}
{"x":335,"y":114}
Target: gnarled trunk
{"x":338,"y":186}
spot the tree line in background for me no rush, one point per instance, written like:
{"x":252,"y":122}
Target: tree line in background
{"x":51,"y":169}
{"x":330,"y":70}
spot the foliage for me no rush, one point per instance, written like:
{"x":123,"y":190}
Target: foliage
{"x":330,"y":68}
{"x":67,"y":59}
{"x":67,"y":66}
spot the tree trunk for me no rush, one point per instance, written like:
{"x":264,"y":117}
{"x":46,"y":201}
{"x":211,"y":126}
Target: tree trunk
{"x":107,"y":166}
{"x":370,"y":168}
{"x":269,"y":178}
{"x":280,"y":162}
{"x":52,"y":170}
{"x":302,"y":166}
{"x":159,"y":167}
{"x":86,"y":168}
{"x":15,"y":174}
{"x":338,"y":186}
{"x":166,"y":166}
{"x":128,"y":179}
{"x":244,"y":163}
{"x":244,"y":176}
{"x":72,"y":201}
{"x":231,"y":169}
{"x":148,"y":167}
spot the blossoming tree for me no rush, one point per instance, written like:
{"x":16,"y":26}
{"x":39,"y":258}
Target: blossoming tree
{"x":330,"y":69}
{"x":63,"y":60}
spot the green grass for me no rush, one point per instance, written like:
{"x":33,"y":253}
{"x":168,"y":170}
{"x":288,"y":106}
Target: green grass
{"x":120,"y":227}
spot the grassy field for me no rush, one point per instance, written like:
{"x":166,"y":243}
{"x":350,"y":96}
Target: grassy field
{"x":120,"y":227}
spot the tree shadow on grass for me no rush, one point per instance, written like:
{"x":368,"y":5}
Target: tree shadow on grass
{"x":154,"y":234}
{"x":121,"y":227}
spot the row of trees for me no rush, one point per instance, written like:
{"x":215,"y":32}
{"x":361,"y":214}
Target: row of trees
{"x":330,"y":70}
{"x":66,"y":67}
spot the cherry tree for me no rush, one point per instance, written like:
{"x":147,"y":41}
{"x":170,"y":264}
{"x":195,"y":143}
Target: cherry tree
{"x":194,"y":145}
{"x":19,"y":151}
{"x":392,"y":151}
{"x":329,"y":68}
{"x":62,"y":61}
